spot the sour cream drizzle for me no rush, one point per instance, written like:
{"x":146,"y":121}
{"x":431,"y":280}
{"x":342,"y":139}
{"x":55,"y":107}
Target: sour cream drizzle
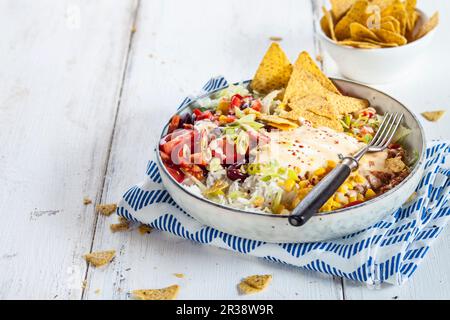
{"x":310,"y":148}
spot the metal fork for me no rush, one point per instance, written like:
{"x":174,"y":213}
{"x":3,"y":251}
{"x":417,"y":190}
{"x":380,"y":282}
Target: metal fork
{"x":317,"y":197}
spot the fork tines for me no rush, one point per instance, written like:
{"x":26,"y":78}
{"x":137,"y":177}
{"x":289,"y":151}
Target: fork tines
{"x":387,"y":129}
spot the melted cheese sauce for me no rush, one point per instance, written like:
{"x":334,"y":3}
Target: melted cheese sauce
{"x":310,"y":148}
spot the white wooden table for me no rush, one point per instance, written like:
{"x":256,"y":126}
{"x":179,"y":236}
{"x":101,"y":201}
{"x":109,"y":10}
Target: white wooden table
{"x":86,"y":86}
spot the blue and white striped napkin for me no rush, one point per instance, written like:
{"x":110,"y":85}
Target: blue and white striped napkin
{"x":389,"y":251}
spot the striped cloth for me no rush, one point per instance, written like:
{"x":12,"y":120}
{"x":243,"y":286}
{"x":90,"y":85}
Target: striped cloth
{"x":390,"y":251}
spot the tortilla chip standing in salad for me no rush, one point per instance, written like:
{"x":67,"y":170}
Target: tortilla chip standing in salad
{"x":274,"y":71}
{"x":312,"y":96}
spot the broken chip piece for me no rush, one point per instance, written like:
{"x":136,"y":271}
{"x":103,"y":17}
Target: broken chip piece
{"x":433,"y":115}
{"x":168,"y":293}
{"x":106,"y":209}
{"x":100,"y":258}
{"x":255,"y":283}
{"x":121,"y":226}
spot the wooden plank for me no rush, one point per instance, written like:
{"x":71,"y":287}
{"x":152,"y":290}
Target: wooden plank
{"x":424,"y":89}
{"x":178,"y":45}
{"x":62,"y":63}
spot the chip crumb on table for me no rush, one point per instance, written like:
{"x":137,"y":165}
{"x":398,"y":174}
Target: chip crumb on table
{"x":255,"y":283}
{"x":433,"y":116}
{"x":121,"y":226}
{"x":86,"y":201}
{"x":168,"y":293}
{"x":106,"y":209}
{"x":275,"y":38}
{"x":100,"y":258}
{"x":179,"y":275}
{"x":144,"y":229}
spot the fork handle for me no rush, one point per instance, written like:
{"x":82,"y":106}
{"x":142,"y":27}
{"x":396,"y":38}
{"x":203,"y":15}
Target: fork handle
{"x":320,"y":194}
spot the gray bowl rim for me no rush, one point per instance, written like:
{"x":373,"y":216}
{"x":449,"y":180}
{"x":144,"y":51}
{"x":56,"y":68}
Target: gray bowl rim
{"x":417,"y":165}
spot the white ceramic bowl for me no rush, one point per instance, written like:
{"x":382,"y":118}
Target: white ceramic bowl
{"x":377,"y":66}
{"x":276,"y":228}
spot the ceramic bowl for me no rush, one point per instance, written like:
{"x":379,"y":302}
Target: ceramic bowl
{"x":276,"y":228}
{"x":377,"y":66}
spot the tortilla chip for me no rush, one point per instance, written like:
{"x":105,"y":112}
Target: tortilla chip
{"x":428,"y":26}
{"x":278,"y":122}
{"x":328,"y":23}
{"x":307,"y":78}
{"x":345,"y":104}
{"x":254,"y":284}
{"x":274,"y":71}
{"x":169,"y":293}
{"x":100,"y":258}
{"x":397,"y":10}
{"x":433,"y":115}
{"x":389,"y":26}
{"x":390,"y":37}
{"x":316,"y":109}
{"x":382,"y":4}
{"x":359,"y":44}
{"x":106,"y":209}
{"x":359,"y":32}
{"x":395,"y":165}
{"x":394,"y":21}
{"x":411,"y":14}
{"x":381,"y":44}
{"x":340,"y":7}
{"x":357,"y":13}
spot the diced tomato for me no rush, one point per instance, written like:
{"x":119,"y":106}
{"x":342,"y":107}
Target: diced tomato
{"x":165,"y":157}
{"x":368,"y":113}
{"x":236,"y":101}
{"x":176,"y":174}
{"x":256,"y":105}
{"x":354,"y":203}
{"x":184,"y":138}
{"x":199,"y":115}
{"x":174,"y":123}
{"x":194,"y":170}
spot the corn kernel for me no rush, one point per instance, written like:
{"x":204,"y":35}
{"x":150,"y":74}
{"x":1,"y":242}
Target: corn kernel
{"x":278,"y":209}
{"x":288,"y":185}
{"x":297,"y":170}
{"x":258,"y":201}
{"x":327,"y":205}
{"x":320,"y":172}
{"x":352,"y":199}
{"x":370,"y":193}
{"x":295,"y":202}
{"x":303,"y":184}
{"x":349,"y":186}
{"x":343,"y":189}
{"x":359,"y":179}
{"x":331,"y":164}
{"x":360,"y":197}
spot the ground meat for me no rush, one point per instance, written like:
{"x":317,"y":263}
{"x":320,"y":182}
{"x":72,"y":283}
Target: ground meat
{"x":394,"y":152}
{"x":374,"y":182}
{"x":394,"y":181}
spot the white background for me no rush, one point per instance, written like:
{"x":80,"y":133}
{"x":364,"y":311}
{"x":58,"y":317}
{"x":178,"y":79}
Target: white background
{"x":82,"y":102}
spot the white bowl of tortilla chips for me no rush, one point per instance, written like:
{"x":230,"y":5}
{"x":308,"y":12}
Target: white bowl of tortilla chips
{"x":376,"y":41}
